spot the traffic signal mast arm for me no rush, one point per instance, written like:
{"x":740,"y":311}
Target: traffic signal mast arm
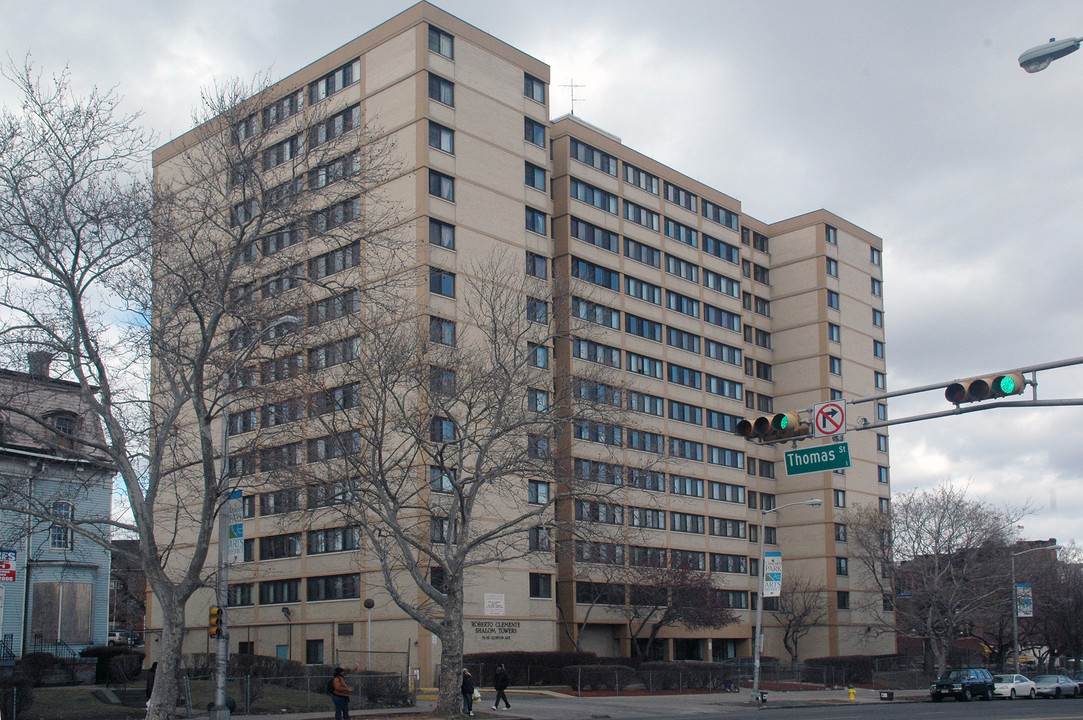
{"x":977,"y":390}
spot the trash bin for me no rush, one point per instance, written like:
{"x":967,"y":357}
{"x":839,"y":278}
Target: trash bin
{"x":887,"y":695}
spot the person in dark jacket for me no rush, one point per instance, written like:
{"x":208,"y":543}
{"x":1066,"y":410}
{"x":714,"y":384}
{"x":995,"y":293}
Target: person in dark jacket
{"x":467,"y":689}
{"x":500,"y":684}
{"x":150,"y":681}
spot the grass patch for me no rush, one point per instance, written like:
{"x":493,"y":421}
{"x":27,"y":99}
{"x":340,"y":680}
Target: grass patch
{"x":76,"y":703}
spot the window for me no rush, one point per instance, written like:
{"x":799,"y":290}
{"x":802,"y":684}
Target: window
{"x":842,"y":566}
{"x":737,"y":564}
{"x":536,"y":221}
{"x":645,"y":441}
{"x":687,"y":449}
{"x":599,"y":512}
{"x":877,"y":318}
{"x":61,"y":536}
{"x":683,"y":485}
{"x":594,"y":471}
{"x":834,"y":333}
{"x":647,"y":518}
{"x":441,"y":331}
{"x":537,"y":492}
{"x":441,"y":282}
{"x":725,"y":457}
{"x":682,"y":304}
{"x":881,"y":411}
{"x":644,"y":328}
{"x":239,"y":595}
{"x":832,"y":300}
{"x":599,"y":237}
{"x":722,"y":318}
{"x":840,"y":532}
{"x":441,"y":43}
{"x":831,"y":235}
{"x":441,"y":380}
{"x":641,"y":253}
{"x":335,"y":81}
{"x":441,"y":90}
{"x":538,"y":539}
{"x":681,"y":233}
{"x":842,"y":600}
{"x":682,"y":340}
{"x":324,"y":175}
{"x":441,"y":138}
{"x":878,"y":348}
{"x":688,"y":559}
{"x":537,"y":266}
{"x":285,"y":108}
{"x":537,"y":447}
{"x":879,"y":380}
{"x":761,"y":274}
{"x":642,"y":290}
{"x":643,"y":365}
{"x":596,"y":392}
{"x":439,"y":530}
{"x":442,"y":234}
{"x":591,"y":195}
{"x":641,"y":215}
{"x":725,"y":527}
{"x":538,"y":355}
{"x":680,"y":197}
{"x":441,"y":186}
{"x":639,"y":178}
{"x":721,"y":249}
{"x":533,"y":88}
{"x":595,"y":313}
{"x":683,"y":412}
{"x":877,"y":287}
{"x":274,"y":592}
{"x":334,"y":587}
{"x":720,"y":215}
{"x":832,"y":267}
{"x":441,"y":480}
{"x":763,"y":338}
{"x":533,"y":132}
{"x":280,"y":546}
{"x":881,"y":443}
{"x":885,"y":506}
{"x":596,"y":352}
{"x":645,"y":403}
{"x":537,"y":400}
{"x":441,"y":430}
{"x":840,"y":498}
{"x":881,"y":474}
{"x":283,"y":152}
{"x":874,"y":256}
{"x":724,"y":492}
{"x":723,"y":353}
{"x":834,"y":365}
{"x":335,"y":126}
{"x":721,"y":283}
{"x":598,"y":432}
{"x":319,"y":267}
{"x":685,"y":376}
{"x":764,"y":371}
{"x":535,"y":177}
{"x":594,"y":157}
{"x":541,"y":585}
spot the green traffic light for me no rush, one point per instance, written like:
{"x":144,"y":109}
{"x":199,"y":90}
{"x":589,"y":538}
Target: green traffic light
{"x":783,"y":423}
{"x":1007,"y":385}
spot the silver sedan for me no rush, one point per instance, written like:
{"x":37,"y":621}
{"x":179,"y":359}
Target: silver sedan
{"x":1055,"y":686}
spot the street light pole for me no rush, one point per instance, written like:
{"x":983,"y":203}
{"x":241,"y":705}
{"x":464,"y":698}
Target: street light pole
{"x":1015,"y":600}
{"x":220,"y":711}
{"x":758,"y":638}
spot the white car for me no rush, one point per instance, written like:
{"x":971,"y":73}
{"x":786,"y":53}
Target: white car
{"x":1013,"y":686}
{"x":1055,"y":686}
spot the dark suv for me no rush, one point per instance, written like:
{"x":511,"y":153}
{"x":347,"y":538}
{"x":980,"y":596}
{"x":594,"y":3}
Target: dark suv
{"x":963,"y":684}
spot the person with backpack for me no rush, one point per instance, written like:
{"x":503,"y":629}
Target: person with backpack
{"x":500,"y":684}
{"x":340,"y":694}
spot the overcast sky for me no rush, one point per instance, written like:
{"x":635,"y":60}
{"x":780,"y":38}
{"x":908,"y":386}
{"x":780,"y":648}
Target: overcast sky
{"x":911,"y":119}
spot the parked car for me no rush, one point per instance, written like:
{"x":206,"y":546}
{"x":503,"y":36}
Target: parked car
{"x":1077,"y":676}
{"x":1013,"y":686}
{"x":963,"y":684}
{"x":120,"y":637}
{"x":1055,"y":686}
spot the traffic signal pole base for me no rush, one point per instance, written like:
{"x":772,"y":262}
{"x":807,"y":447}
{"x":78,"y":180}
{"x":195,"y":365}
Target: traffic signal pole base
{"x":218,"y":713}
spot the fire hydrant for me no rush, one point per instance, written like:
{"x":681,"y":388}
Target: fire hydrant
{"x":852,"y":693}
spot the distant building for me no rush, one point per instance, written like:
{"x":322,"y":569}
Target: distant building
{"x":54,"y":594}
{"x":704,"y":314}
{"x":127,"y":588}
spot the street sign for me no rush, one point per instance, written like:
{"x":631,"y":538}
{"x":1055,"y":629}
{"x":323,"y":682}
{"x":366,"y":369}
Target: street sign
{"x":829,"y":418}
{"x":772,"y":574}
{"x":818,"y":459}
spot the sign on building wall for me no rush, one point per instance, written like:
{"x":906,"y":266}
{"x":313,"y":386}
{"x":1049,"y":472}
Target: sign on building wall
{"x":494,"y":604}
{"x":7,"y":565}
{"x":772,"y":574}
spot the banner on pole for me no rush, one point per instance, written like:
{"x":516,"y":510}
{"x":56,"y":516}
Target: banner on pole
{"x":772,"y":574}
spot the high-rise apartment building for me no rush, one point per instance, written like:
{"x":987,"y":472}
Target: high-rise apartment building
{"x":696,"y":315}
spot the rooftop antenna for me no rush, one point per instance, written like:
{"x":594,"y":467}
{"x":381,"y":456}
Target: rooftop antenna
{"x":571,"y":92}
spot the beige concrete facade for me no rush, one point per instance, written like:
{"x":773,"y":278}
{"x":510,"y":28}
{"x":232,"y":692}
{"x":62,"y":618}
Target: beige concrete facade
{"x":741,"y":317}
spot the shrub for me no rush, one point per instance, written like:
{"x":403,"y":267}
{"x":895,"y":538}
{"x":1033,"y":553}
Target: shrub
{"x":526,"y":667}
{"x":36,"y":666}
{"x":129,"y":663}
{"x":598,"y":677}
{"x":853,"y":669}
{"x":383,"y":690}
{"x":684,"y":675}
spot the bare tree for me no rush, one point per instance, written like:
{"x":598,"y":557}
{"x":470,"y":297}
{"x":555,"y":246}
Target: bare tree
{"x":162,"y":362}
{"x":937,"y":561}
{"x":801,"y":607}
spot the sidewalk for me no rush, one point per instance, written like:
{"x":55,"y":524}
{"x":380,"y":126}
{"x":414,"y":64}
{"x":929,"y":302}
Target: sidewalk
{"x":552,"y":705}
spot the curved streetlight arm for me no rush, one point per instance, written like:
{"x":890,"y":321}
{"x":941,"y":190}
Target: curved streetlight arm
{"x":1038,"y":58}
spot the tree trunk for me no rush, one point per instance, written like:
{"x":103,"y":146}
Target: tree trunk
{"x":449,"y":697}
{"x":167,"y":689}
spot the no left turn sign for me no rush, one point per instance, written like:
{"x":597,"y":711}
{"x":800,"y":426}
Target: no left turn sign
{"x":829,"y":419}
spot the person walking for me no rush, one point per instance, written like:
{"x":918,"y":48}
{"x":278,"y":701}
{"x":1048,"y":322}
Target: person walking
{"x":340,"y":695}
{"x":467,"y":689}
{"x":500,"y":684}
{"x":151,"y":673}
